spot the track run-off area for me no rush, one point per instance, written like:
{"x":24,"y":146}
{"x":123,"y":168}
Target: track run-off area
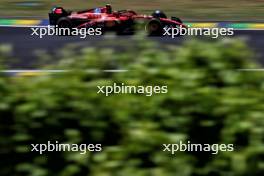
{"x":26,"y":48}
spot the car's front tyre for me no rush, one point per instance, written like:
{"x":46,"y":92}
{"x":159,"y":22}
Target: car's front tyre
{"x":154,"y":28}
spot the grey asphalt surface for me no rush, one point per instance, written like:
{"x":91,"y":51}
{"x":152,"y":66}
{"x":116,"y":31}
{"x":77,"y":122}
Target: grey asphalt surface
{"x":26,"y":48}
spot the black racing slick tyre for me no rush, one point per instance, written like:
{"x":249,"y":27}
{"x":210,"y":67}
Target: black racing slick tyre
{"x":64,"y":22}
{"x":154,"y":28}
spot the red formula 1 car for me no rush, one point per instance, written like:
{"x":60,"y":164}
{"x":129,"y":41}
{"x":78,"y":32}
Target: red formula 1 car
{"x":123,"y":21}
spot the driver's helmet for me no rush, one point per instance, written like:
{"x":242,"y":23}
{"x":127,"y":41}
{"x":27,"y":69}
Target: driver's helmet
{"x":97,"y":10}
{"x":108,"y":8}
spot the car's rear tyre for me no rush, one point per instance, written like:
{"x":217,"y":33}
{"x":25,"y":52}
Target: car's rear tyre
{"x":154,"y":28}
{"x":64,"y":22}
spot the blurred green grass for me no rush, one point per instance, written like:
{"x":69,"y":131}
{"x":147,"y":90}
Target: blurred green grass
{"x":209,"y":101}
{"x":225,"y":10}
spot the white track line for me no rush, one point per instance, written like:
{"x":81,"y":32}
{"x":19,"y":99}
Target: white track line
{"x":33,"y":71}
{"x":251,"y":70}
{"x":60,"y":71}
{"x":25,"y":26}
{"x":248,"y":29}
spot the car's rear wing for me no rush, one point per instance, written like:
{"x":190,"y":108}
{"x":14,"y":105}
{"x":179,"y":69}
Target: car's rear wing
{"x":56,"y":13}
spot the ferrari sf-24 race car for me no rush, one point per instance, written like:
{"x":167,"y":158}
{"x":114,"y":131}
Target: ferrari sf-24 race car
{"x":122,"y":21}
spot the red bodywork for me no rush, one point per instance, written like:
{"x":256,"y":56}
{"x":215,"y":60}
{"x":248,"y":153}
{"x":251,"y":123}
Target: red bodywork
{"x":92,"y":18}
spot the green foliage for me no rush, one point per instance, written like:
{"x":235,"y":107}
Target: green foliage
{"x":209,"y":101}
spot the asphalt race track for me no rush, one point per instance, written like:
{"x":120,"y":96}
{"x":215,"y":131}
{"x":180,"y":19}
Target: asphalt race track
{"x":26,"y":47}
